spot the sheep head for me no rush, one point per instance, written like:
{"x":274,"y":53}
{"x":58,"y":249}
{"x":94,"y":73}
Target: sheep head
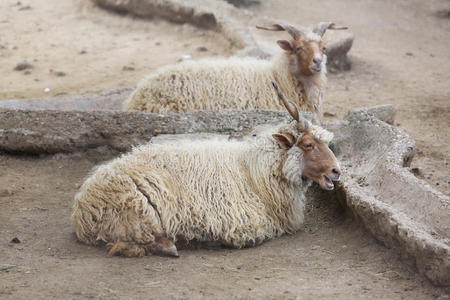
{"x":306,"y":49}
{"x":306,"y":145}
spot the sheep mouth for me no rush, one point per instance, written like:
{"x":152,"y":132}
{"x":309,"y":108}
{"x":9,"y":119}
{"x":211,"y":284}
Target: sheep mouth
{"x":316,"y":69}
{"x":326,"y":183}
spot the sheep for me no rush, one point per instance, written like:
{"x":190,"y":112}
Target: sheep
{"x":242,"y":83}
{"x":236,"y":193}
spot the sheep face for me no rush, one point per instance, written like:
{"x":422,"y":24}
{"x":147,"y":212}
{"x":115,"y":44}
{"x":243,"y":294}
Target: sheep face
{"x":307,"y":52}
{"x":307,"y":149}
{"x":310,"y":157}
{"x":306,"y":49}
{"x":320,"y":164}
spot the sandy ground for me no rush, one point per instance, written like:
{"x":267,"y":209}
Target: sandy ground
{"x":400,"y":56}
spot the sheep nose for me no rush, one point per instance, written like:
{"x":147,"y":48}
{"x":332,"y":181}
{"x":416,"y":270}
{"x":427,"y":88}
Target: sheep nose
{"x":317,"y":61}
{"x":336,"y":174}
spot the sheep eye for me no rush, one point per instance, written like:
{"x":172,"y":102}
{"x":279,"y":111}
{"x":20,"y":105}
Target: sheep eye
{"x":324,"y":49}
{"x":308,"y":146}
{"x":299,"y":49}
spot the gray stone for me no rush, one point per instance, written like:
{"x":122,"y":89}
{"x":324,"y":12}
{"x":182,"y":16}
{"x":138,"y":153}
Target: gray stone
{"x":384,"y":112}
{"x":44,"y":131}
{"x":338,"y":47}
{"x":23,"y":65}
{"x":207,"y":14}
{"x":106,"y":100}
{"x":399,"y":209}
{"x":243,"y":3}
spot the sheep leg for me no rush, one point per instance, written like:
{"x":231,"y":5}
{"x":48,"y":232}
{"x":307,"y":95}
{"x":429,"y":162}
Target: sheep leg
{"x":126,"y":249}
{"x":161,"y":246}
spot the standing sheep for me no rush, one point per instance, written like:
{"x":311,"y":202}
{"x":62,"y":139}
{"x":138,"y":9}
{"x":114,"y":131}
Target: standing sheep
{"x":235,"y":193}
{"x":242,"y":83}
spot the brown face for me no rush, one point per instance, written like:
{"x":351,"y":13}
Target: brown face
{"x":320,"y":164}
{"x":309,"y":55}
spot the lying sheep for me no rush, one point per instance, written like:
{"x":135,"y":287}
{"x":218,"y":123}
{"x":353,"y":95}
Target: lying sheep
{"x":242,"y":83}
{"x":235,"y":193}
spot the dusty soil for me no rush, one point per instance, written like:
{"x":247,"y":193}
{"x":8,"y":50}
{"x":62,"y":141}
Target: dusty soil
{"x":400,"y":56}
{"x":96,"y":49}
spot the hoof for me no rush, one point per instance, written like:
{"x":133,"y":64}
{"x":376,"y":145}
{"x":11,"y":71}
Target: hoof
{"x":172,"y":251}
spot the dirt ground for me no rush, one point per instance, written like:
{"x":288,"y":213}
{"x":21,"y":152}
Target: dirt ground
{"x":400,"y":56}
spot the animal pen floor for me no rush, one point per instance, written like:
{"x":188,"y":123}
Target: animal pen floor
{"x":333,"y":257}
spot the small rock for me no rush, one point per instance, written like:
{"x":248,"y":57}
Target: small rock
{"x":6,"y":267}
{"x":202,"y":49}
{"x":185,"y":57}
{"x":25,"y":7}
{"x":58,"y":73}
{"x":329,"y":114}
{"x":409,"y":54}
{"x":47,"y":90}
{"x":27,"y":72}
{"x":416,"y":171}
{"x":22,"y":65}
{"x":243,"y":3}
{"x":127,"y":68}
{"x":239,"y":266}
{"x":82,"y":52}
{"x":6,"y":192}
{"x":15,"y":240}
{"x":443,"y":13}
{"x":157,"y":44}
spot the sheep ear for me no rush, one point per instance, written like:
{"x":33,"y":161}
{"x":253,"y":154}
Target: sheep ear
{"x":285,"y":140}
{"x":285,"y":45}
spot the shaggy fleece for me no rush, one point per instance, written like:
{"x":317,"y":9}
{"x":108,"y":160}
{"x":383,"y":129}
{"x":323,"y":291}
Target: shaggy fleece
{"x":219,"y":83}
{"x":236,"y":192}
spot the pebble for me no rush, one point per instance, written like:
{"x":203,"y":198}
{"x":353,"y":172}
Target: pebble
{"x":202,"y":49}
{"x":58,"y":73}
{"x":22,"y":65}
{"x":185,"y":57}
{"x":128,"y":68}
{"x":15,"y":240}
{"x":6,"y":192}
{"x":5,"y":267}
{"x":47,"y":90}
{"x":25,"y":7}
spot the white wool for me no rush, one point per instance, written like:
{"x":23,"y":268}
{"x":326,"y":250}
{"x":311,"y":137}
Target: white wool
{"x":235,"y":192}
{"x":233,"y":83}
{"x":312,"y":37}
{"x":321,"y":134}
